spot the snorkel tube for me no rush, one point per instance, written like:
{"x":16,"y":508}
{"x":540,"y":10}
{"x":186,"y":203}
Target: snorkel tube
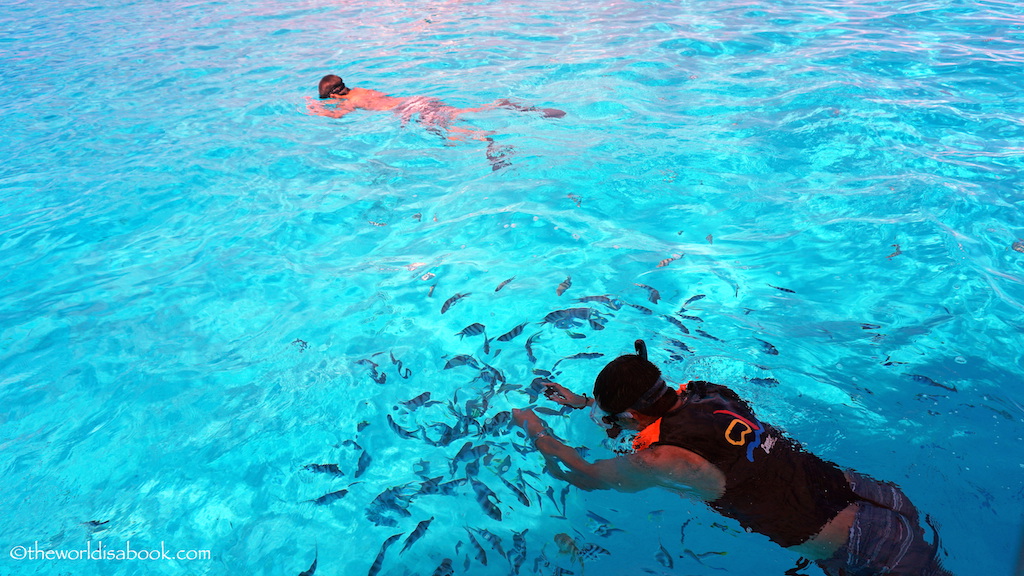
{"x":641,"y":348}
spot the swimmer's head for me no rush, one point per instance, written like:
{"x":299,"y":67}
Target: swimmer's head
{"x":332,"y":84}
{"x":633,"y":382}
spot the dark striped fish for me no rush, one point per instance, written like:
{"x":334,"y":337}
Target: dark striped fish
{"x":493,"y":540}
{"x":471,"y":330}
{"x":782,"y":289}
{"x":678,"y":323}
{"x":330,"y":497}
{"x":690,"y":318}
{"x":518,"y":553}
{"x":402,"y":371}
{"x":606,"y":300}
{"x":364,"y":463}
{"x":461,"y":360}
{"x":481,"y":555}
{"x":529,"y":347}
{"x":379,"y":561}
{"x":709,"y":336}
{"x":668,"y":261}
{"x":451,"y":301}
{"x":399,"y":430}
{"x":560,"y":318}
{"x":694,"y":299}
{"x":512,"y":333}
{"x":419,"y":402}
{"x":766,"y":382}
{"x":504,"y":283}
{"x":312,"y":567}
{"x":416,"y":534}
{"x":652,"y":294}
{"x":324,"y":469}
{"x":445,"y":568}
{"x":516,"y":491}
{"x":565,"y":285}
{"x":680,"y":345}
{"x":640,"y":308}
{"x":483,"y":497}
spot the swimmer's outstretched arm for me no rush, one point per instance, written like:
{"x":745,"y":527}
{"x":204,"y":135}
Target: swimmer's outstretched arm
{"x":317,"y":107}
{"x":630,"y":473}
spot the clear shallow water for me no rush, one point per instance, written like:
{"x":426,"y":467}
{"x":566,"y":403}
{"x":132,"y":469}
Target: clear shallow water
{"x":196,"y":279}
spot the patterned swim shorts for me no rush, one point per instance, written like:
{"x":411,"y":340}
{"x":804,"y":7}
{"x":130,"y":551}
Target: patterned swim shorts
{"x":886,"y":537}
{"x":431,"y":111}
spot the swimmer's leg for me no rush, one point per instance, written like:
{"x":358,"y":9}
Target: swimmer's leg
{"x":545,"y":112}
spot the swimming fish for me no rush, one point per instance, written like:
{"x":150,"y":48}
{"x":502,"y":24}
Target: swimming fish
{"x":312,"y":567}
{"x":330,"y":497}
{"x":782,"y":289}
{"x":565,"y":285}
{"x":379,"y":561}
{"x":529,"y":347}
{"x":420,"y":401}
{"x":416,"y":534}
{"x":930,"y":382}
{"x":766,"y":382}
{"x":517,"y":555}
{"x":493,"y":540}
{"x":767,"y":348}
{"x":566,"y":545}
{"x":481,"y":555}
{"x":461,"y":360}
{"x":471,"y":330}
{"x":364,"y":463}
{"x":569,"y":317}
{"x":601,"y":526}
{"x":445,"y":568}
{"x":401,"y":431}
{"x":483,"y":498}
{"x":497,"y":423}
{"x":606,"y":300}
{"x":512,"y":333}
{"x":516,"y":491}
{"x":402,"y":371}
{"x":451,"y":301}
{"x":668,"y":261}
{"x":680,"y":345}
{"x":677,"y":323}
{"x":591,"y":551}
{"x":467,"y":453}
{"x":652,"y":294}
{"x":706,"y":335}
{"x":1018,"y":246}
{"x":663,"y":557}
{"x":647,"y":311}
{"x":504,"y":283}
{"x":324,"y":469}
{"x":690,"y":318}
{"x":694,"y":299}
{"x":96,"y":525}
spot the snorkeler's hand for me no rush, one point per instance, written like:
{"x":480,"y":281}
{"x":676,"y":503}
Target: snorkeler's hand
{"x":561,"y":395}
{"x":530,"y":422}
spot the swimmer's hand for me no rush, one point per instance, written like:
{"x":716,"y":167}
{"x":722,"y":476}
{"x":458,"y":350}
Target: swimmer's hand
{"x":530,"y":422}
{"x":561,"y":395}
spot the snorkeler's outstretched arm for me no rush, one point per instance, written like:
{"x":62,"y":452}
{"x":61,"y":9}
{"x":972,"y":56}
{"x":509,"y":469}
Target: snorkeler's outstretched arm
{"x":665,"y":466}
{"x":562,"y":395}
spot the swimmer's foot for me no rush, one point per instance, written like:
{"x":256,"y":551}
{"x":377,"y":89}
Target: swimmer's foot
{"x":545,"y":112}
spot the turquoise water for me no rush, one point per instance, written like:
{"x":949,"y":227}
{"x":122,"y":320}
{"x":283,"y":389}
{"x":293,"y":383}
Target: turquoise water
{"x":206,"y":289}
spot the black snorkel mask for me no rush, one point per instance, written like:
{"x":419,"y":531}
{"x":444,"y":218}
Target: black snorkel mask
{"x":610,"y":422}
